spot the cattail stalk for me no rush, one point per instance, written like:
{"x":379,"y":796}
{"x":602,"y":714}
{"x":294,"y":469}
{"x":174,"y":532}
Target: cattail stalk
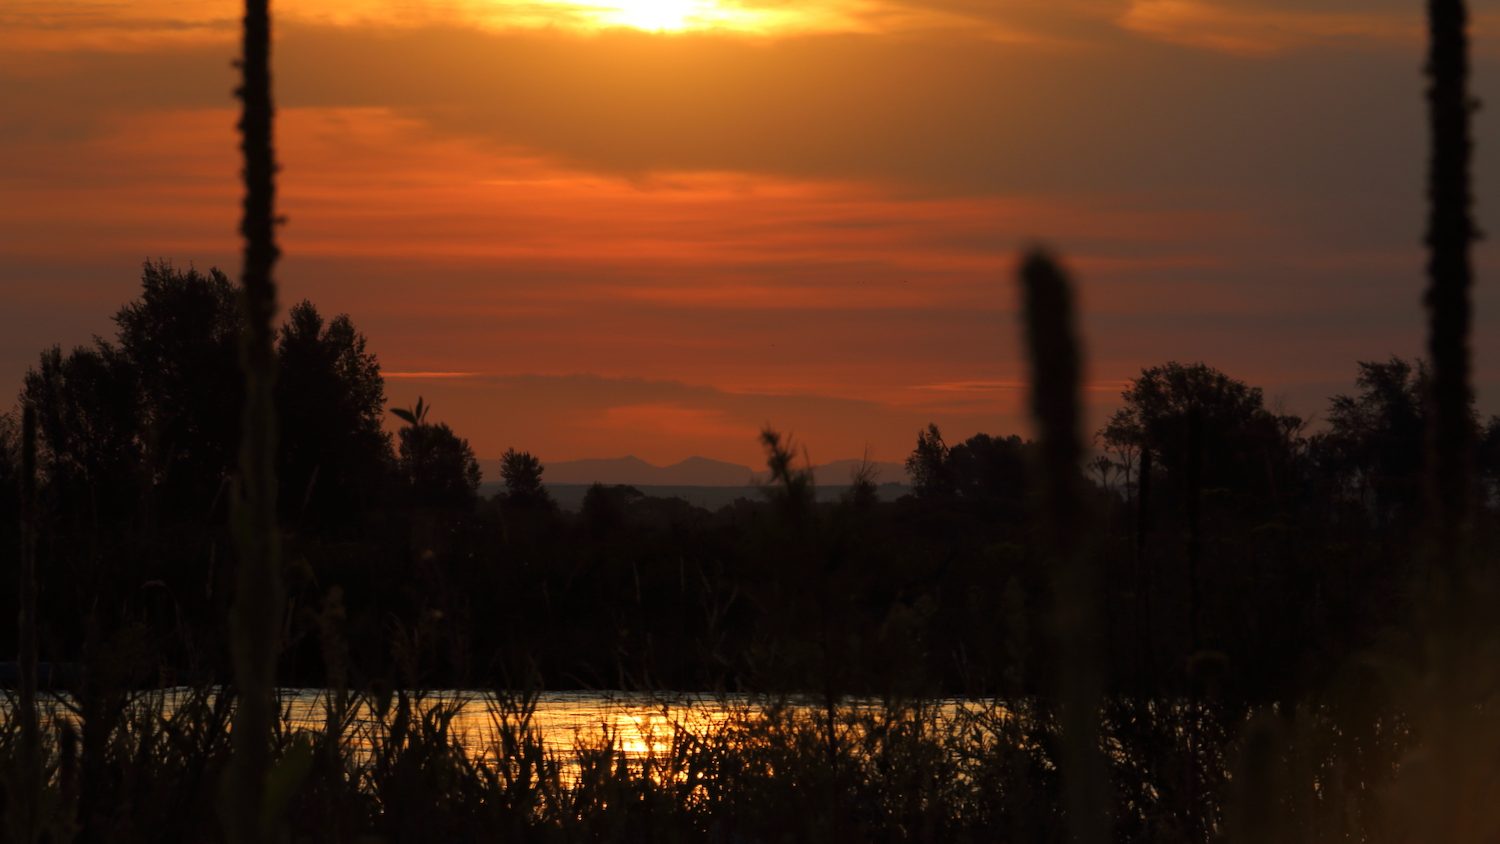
{"x":1450,"y":234}
{"x":257,"y":607}
{"x":1143,"y":571}
{"x":26,"y":635}
{"x":1056,"y":372}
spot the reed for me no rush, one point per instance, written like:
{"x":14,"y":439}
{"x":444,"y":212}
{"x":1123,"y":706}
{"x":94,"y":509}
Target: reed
{"x":1056,"y":364}
{"x":255,"y":619}
{"x":31,"y":763}
{"x":1450,"y":235}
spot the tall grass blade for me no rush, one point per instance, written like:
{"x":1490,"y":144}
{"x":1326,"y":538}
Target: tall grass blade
{"x":1450,"y":235}
{"x":1056,"y":371}
{"x":257,"y":607}
{"x":26,"y":639}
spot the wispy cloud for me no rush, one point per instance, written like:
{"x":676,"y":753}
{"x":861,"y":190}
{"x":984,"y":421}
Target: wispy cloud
{"x":428,"y":376}
{"x":1253,"y":29}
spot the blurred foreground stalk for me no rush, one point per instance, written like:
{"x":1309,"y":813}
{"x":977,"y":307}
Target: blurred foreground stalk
{"x":26,"y":638}
{"x":257,"y":604}
{"x":1056,"y":371}
{"x":1450,"y":234}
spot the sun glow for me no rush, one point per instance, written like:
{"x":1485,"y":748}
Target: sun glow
{"x":664,"y":16}
{"x":658,"y":15}
{"x":136,"y":24}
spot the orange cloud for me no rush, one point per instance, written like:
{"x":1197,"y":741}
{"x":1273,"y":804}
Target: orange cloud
{"x":135,"y":25}
{"x":672,"y":420}
{"x":458,"y":258}
{"x":1261,"y":29}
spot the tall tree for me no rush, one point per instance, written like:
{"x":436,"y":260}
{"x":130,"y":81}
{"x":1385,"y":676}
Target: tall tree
{"x":523,"y":481}
{"x":1239,"y":444}
{"x":182,"y":337}
{"x":437,"y":466}
{"x":257,"y":606}
{"x":1373,"y":447}
{"x":987,"y":471}
{"x":1489,"y":461}
{"x":86,"y":405}
{"x":330,"y":398}
{"x":927,"y":465}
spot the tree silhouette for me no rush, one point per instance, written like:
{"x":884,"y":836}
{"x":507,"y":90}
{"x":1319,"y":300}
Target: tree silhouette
{"x":1374,"y":442}
{"x":182,"y":338}
{"x":927,"y":465}
{"x":523,"y":481}
{"x":157,"y":410}
{"x":10,"y":465}
{"x":1195,"y":420}
{"x":604,"y":508}
{"x":988,"y":472}
{"x":437,"y":466}
{"x":334,"y":454}
{"x":87,"y":406}
{"x":1489,"y":462}
{"x":791,"y":487}
{"x":863,"y":494}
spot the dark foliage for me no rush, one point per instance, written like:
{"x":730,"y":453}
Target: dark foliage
{"x":522,"y":474}
{"x":437,"y":467}
{"x":605,"y":508}
{"x":1207,"y":429}
{"x":181,"y":338}
{"x":927,"y":465}
{"x":926,"y":596}
{"x":1374,"y":443}
{"x":335,"y":458}
{"x":1235,"y":625}
{"x":983,"y":473}
{"x":88,"y":407}
{"x":145,"y":427}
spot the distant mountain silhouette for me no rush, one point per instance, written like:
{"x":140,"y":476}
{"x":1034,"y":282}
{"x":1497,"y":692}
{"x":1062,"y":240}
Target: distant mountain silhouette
{"x":694,"y":471}
{"x":697,"y":471}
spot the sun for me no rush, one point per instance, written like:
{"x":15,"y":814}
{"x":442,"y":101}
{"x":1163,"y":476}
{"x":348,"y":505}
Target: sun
{"x":669,"y":17}
{"x":660,"y":15}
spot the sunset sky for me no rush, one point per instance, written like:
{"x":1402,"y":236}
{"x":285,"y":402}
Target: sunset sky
{"x":591,"y":229}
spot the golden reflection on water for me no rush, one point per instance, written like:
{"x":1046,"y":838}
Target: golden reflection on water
{"x":636,"y":725}
{"x":651,"y":733}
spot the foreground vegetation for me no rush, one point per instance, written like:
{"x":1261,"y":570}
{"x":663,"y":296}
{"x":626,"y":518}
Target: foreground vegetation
{"x":1252,"y":584}
{"x":402,"y":768}
{"x":1250,"y":633}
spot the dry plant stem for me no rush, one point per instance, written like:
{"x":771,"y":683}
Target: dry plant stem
{"x":257,"y":608}
{"x":1450,"y":234}
{"x":1056,"y":365}
{"x":1449,"y":481}
{"x":26,"y":639}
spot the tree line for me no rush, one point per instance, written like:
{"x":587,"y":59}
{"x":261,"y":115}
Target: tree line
{"x":1200,"y":489}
